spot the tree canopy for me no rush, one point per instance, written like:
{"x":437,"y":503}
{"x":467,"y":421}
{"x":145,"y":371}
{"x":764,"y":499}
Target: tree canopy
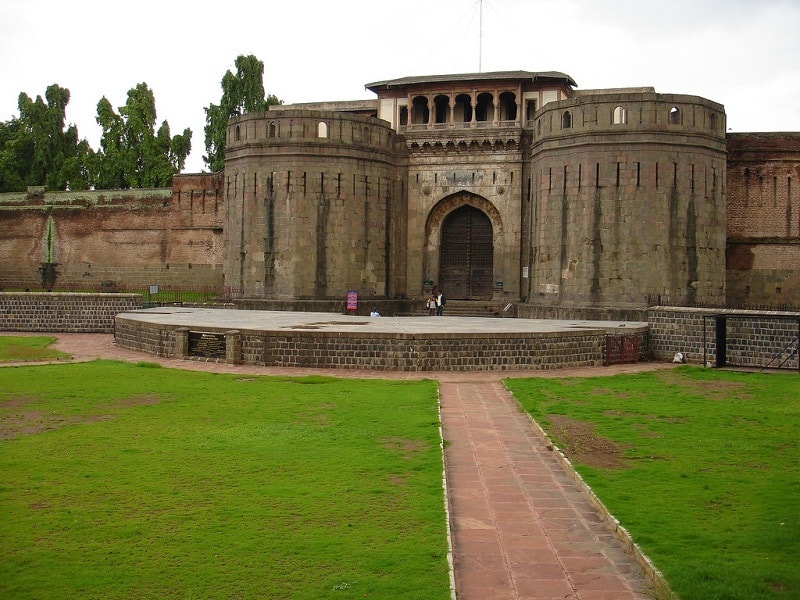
{"x":241,"y":93}
{"x":133,"y":153}
{"x":36,"y":149}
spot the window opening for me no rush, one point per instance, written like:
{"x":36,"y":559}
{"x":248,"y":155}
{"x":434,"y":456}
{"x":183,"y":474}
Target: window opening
{"x":675,"y":116}
{"x":419,"y":111}
{"x":462,"y":111}
{"x":271,"y":130}
{"x":322,"y":129}
{"x":403,"y":115}
{"x":566,"y":120}
{"x":484,"y":111}
{"x":530,"y":109}
{"x":441,"y":109}
{"x":620,"y":116}
{"x":508,"y":106}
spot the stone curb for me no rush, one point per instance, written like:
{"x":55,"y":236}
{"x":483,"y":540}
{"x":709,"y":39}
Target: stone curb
{"x":661,"y":588}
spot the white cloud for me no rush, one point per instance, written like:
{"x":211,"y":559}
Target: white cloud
{"x":743,"y":53}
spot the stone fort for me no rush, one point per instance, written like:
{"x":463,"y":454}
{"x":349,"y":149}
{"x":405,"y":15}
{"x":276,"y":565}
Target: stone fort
{"x":506,"y":187}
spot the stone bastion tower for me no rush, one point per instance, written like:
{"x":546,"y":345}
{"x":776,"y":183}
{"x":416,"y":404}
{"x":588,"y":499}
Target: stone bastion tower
{"x":627,"y":200}
{"x":499,"y":187}
{"x":316,"y":205}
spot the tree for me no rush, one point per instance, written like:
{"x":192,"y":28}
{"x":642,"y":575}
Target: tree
{"x":36,"y":150}
{"x":132,"y":153}
{"x":241,"y":93}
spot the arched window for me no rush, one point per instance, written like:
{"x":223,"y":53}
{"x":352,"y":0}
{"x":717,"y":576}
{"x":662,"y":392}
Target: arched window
{"x":484,"y":111}
{"x":620,"y":116}
{"x":238,"y":134}
{"x":675,"y":116}
{"x":441,"y":109}
{"x":712,"y":121}
{"x":322,"y":129}
{"x":566,"y":120}
{"x":508,"y":106}
{"x":462,"y":111}
{"x":271,"y":130}
{"x":419,"y":110}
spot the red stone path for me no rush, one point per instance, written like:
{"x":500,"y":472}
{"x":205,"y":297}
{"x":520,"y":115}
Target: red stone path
{"x":521,"y":527}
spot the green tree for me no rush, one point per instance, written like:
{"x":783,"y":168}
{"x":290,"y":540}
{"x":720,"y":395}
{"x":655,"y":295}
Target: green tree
{"x":133,"y":154}
{"x":36,"y":150}
{"x":241,"y":93}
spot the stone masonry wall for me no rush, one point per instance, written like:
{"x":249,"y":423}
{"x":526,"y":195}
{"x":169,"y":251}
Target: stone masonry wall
{"x":314,"y":205}
{"x":628,"y":200}
{"x":62,"y":312}
{"x":753,"y":338}
{"x":385,"y":352}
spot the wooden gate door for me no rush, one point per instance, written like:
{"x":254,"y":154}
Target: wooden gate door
{"x":466,"y":255}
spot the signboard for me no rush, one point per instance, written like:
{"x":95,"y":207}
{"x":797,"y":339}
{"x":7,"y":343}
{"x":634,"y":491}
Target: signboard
{"x":208,"y":345}
{"x":352,"y":301}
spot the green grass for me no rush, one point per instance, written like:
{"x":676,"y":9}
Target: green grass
{"x":119,"y":481}
{"x":28,"y":348}
{"x":707,"y":478}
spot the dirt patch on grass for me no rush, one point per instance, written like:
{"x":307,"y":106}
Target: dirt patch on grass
{"x":30,"y":422}
{"x":405,"y":446}
{"x":713,"y":390}
{"x":580,"y":443}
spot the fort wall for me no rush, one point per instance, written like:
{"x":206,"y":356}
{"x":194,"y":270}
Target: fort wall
{"x":114,"y":238}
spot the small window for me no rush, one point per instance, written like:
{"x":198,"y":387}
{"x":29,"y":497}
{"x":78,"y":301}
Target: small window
{"x":322,"y":129}
{"x":566,"y":120}
{"x":620,"y":116}
{"x":271,"y":130}
{"x":712,"y":121}
{"x":675,"y":116}
{"x":366,"y":137}
{"x":530,"y":109}
{"x":238,"y":135}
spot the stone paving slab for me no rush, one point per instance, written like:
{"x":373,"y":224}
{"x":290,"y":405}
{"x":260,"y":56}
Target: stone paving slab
{"x":521,"y":527}
{"x":261,"y":320}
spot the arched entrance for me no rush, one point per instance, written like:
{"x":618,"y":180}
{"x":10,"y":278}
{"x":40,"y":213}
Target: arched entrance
{"x":466,"y":255}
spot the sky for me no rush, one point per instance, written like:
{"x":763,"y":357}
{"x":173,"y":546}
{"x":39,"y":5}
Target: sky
{"x":744,"y":54}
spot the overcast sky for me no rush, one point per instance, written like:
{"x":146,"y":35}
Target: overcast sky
{"x":744,"y":54}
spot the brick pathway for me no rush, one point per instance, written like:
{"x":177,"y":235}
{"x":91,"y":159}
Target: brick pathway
{"x":521,"y":527}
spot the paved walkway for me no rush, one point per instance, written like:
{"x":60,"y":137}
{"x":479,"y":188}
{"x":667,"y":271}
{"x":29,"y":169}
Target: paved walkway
{"x":521,"y":528}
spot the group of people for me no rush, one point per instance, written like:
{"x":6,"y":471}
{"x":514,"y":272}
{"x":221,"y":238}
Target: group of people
{"x":435,"y":304}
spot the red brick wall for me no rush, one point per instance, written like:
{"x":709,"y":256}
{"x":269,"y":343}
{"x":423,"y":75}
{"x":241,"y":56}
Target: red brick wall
{"x":763,"y":218}
{"x":128,"y":237}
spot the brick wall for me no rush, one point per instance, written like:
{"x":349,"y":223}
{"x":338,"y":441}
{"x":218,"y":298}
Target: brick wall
{"x":133,"y":238}
{"x":763,"y":218}
{"x":62,"y":312}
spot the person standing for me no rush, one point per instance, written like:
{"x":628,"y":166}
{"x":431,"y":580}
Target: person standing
{"x":440,"y":302}
{"x":431,"y":305}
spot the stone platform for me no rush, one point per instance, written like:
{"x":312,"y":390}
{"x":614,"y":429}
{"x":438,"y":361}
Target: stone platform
{"x":328,"y":340}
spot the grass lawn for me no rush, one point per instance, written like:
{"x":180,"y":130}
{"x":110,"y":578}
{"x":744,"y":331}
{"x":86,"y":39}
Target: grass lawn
{"x":20,"y":349}
{"x":124,"y":481}
{"x":701,"y":466}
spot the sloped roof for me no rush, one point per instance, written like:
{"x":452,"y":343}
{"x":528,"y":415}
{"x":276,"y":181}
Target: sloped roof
{"x":533,"y":77}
